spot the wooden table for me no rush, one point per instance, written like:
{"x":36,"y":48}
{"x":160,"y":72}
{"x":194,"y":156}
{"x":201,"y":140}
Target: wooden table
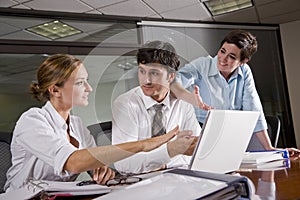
{"x":283,"y":184}
{"x":286,"y":182}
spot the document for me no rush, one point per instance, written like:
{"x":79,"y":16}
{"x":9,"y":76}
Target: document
{"x":182,"y":184}
{"x":38,"y":188}
{"x":257,"y":157}
{"x":266,"y":166}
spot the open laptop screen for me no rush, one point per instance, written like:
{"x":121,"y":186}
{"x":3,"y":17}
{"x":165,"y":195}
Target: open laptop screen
{"x":224,"y":138}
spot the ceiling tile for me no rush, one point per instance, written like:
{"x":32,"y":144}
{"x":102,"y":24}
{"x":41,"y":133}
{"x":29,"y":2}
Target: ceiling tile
{"x":247,"y":15}
{"x":280,"y":19}
{"x":278,"y":8}
{"x":23,"y":34}
{"x":6,"y":29}
{"x":22,"y":1}
{"x":101,"y":3}
{"x":128,"y":8}
{"x":94,"y":12}
{"x":194,"y":12}
{"x":261,"y":2}
{"x":166,"y":5}
{"x":21,"y":6}
{"x":23,"y":23}
{"x":7,"y":3}
{"x":59,"y":5}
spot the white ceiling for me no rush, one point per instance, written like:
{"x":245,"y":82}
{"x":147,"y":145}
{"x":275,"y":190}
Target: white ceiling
{"x":264,"y":11}
{"x":17,"y":69}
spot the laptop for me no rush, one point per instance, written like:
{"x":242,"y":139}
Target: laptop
{"x":223,"y":141}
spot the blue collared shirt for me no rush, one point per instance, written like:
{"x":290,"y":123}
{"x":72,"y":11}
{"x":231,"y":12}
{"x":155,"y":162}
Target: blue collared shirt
{"x":239,"y":93}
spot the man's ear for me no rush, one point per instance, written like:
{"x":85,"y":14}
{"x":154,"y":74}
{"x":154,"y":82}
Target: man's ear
{"x":54,"y":91}
{"x":172,"y":76}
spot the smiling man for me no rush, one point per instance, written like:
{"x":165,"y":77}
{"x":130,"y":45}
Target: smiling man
{"x":150,"y":110}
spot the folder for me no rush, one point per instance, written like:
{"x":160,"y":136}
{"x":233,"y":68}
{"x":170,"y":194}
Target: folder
{"x":257,"y":157}
{"x":236,"y":186}
{"x":184,"y":184}
{"x":39,"y":188}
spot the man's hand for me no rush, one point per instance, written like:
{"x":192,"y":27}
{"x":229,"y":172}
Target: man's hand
{"x":103,"y":174}
{"x":184,"y":144}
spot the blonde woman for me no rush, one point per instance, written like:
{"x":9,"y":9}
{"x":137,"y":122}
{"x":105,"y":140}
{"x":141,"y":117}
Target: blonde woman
{"x":51,"y":144}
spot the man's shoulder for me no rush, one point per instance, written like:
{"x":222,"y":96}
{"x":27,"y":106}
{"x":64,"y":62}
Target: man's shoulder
{"x":182,"y":104}
{"x":131,"y":96}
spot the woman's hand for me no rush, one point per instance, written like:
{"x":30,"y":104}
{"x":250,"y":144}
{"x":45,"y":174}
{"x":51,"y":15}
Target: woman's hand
{"x":294,"y":153}
{"x":152,"y":143}
{"x":103,"y":174}
{"x":198,"y":102}
{"x":184,"y":144}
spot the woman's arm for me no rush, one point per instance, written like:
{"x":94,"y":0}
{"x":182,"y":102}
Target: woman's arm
{"x":266,"y":142}
{"x":193,"y":98}
{"x":92,"y":158}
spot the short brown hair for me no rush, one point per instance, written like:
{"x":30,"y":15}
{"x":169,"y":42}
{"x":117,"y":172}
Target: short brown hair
{"x":55,"y":70}
{"x":159,"y":52}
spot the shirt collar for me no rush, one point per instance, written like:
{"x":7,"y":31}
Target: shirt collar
{"x":213,"y":70}
{"x":57,"y":118}
{"x":149,"y":102}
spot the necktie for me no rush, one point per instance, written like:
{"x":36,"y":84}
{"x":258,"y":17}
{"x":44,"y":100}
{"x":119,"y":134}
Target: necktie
{"x":157,"y":124}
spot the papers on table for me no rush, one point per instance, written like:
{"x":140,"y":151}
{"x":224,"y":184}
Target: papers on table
{"x":265,"y":160}
{"x":267,"y":166}
{"x":257,"y":157}
{"x":37,"y":188}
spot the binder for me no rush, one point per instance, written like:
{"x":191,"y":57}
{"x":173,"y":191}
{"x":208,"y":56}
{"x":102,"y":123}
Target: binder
{"x":185,"y":184}
{"x":257,"y":157}
{"x":237,"y":186}
{"x":39,"y":188}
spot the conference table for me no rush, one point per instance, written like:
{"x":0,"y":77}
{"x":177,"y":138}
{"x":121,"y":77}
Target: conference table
{"x":275,"y":184}
{"x":281,"y":184}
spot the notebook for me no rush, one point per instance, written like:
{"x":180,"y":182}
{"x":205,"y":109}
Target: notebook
{"x":224,"y":139}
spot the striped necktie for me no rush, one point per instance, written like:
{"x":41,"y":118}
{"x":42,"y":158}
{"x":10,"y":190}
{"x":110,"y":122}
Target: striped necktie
{"x":157,"y":124}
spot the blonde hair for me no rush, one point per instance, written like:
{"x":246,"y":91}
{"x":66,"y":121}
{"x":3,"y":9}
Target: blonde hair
{"x":55,"y":70}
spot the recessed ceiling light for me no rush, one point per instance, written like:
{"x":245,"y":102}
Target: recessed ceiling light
{"x":218,"y":7}
{"x":54,"y":30}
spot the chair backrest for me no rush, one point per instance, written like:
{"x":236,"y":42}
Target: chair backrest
{"x":101,"y":133}
{"x":273,"y":128}
{"x":5,"y":157}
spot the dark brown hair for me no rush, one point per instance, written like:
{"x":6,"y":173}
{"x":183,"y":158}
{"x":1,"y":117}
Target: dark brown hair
{"x":159,"y":52}
{"x":244,"y":41}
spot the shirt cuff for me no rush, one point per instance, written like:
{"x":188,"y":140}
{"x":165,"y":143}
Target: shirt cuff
{"x":61,"y":158}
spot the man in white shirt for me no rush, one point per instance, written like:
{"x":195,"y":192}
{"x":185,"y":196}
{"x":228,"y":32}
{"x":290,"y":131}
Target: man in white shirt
{"x":133,"y":112}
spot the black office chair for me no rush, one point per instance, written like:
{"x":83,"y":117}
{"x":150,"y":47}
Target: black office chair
{"x":5,"y":157}
{"x":101,"y":133}
{"x":273,"y":128}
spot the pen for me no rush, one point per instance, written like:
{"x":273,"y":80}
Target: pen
{"x":89,"y":182}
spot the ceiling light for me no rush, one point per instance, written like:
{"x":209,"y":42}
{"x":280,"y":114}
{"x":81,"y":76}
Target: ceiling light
{"x":217,"y":7}
{"x":54,"y":30}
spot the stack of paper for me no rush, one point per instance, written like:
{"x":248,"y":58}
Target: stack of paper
{"x":267,"y":166}
{"x":258,"y":157}
{"x":36,"y":188}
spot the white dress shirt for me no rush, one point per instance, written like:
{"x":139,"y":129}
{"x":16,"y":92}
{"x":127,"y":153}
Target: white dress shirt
{"x":40,"y":146}
{"x":132,"y":118}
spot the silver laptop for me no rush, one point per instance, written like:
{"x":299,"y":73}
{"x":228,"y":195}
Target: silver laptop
{"x":224,"y":138}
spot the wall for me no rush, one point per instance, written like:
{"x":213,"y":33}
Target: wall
{"x":290,"y":33}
